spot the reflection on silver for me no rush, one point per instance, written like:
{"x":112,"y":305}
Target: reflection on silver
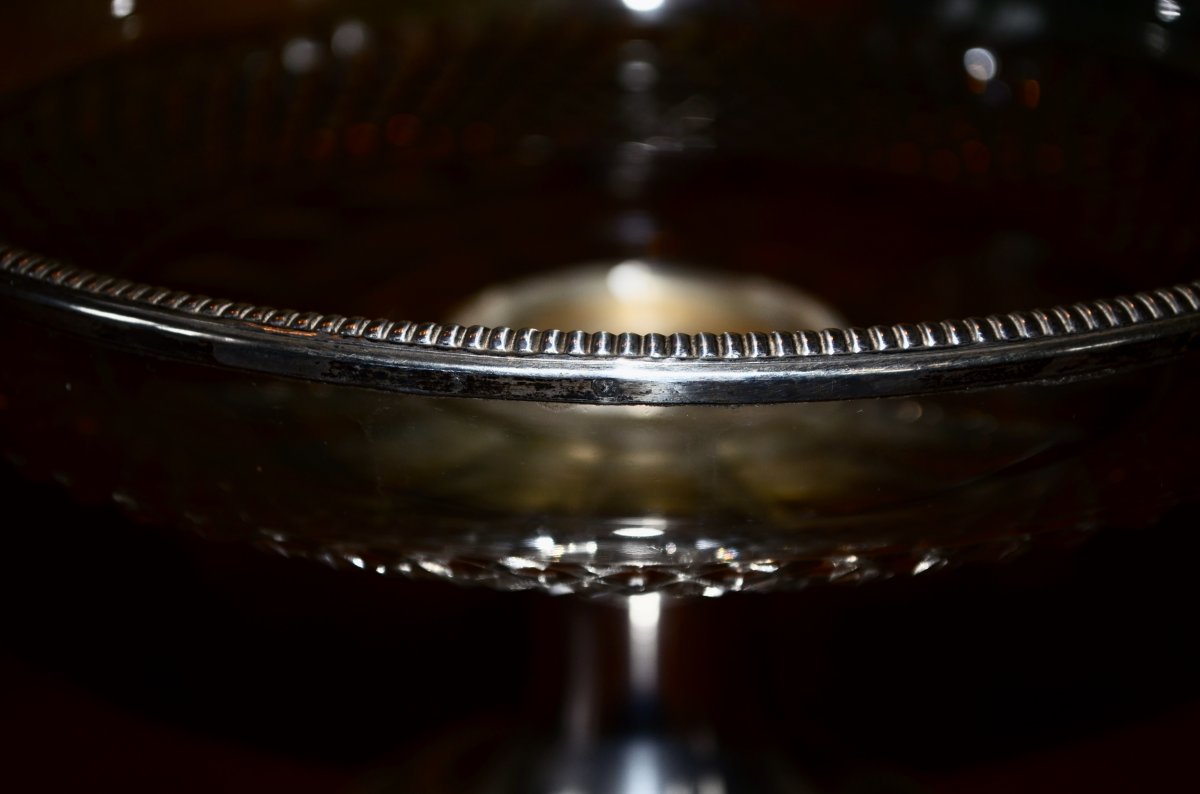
{"x":520,"y":563}
{"x":127,"y":320}
{"x":606,"y":368}
{"x":1166,"y":10}
{"x":929,"y":562}
{"x":122,"y":8}
{"x":436,"y":568}
{"x":980,"y":64}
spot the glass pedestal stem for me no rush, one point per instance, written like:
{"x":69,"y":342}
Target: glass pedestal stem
{"x":617,"y":736}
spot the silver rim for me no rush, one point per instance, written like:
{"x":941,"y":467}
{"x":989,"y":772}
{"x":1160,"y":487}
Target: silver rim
{"x":1041,"y":345}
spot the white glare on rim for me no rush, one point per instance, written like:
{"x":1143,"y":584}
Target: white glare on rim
{"x":122,"y":8}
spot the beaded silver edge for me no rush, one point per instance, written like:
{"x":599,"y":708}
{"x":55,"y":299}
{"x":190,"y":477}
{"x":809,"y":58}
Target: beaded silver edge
{"x":1058,"y":321}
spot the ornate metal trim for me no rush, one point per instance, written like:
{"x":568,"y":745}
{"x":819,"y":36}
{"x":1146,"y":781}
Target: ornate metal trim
{"x":577,"y":366}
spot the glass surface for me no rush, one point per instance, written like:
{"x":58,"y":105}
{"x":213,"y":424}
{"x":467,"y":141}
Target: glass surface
{"x":693,"y":499}
{"x":615,"y":165}
{"x":890,"y":165}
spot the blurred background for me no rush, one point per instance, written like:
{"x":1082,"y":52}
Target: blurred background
{"x":144,"y":659}
{"x":139,"y":658}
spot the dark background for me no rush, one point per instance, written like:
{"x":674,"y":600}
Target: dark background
{"x":138,"y":658}
{"x":143,"y":659}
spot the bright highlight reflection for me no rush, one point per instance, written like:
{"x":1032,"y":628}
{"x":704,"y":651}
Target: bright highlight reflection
{"x":1166,"y":10}
{"x":645,"y":610}
{"x":638,"y":532}
{"x":632,"y":281}
{"x":643,"y":6}
{"x":122,"y":8}
{"x":980,"y":63}
{"x":642,"y":771}
{"x":644,"y":613}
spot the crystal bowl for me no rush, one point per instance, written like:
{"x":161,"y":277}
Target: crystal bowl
{"x":593,"y":261}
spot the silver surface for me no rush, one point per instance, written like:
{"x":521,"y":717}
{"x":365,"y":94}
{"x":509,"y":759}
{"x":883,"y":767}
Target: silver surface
{"x":1051,"y":345}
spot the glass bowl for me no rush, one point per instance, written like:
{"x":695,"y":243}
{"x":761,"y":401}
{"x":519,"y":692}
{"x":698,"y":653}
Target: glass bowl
{"x":637,"y":298}
{"x":711,"y":185}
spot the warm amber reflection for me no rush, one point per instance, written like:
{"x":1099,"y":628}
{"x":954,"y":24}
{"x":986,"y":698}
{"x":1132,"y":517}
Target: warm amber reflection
{"x":644,"y":297}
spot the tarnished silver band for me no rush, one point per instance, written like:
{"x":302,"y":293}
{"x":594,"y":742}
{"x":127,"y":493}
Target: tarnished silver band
{"x":1061,"y":343}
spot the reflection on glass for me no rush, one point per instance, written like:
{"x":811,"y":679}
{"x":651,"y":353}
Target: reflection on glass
{"x":824,"y":157}
{"x":727,"y":145}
